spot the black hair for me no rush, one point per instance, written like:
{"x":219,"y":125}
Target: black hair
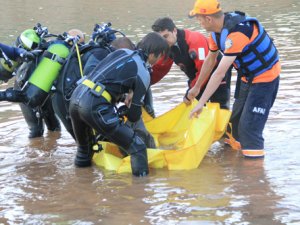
{"x":162,"y":24}
{"x":153,"y":43}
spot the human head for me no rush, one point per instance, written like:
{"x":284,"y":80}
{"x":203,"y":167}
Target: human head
{"x":123,"y":42}
{"x":209,"y":15}
{"x":154,"y":46}
{"x":79,"y":33}
{"x":167,"y":29}
{"x":205,"y":7}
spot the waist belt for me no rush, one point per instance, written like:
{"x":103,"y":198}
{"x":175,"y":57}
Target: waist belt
{"x":97,"y":89}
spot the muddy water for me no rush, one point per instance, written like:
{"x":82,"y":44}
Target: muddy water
{"x":40,"y":185}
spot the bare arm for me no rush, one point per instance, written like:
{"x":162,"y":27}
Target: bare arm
{"x":205,"y":72}
{"x":213,"y":84}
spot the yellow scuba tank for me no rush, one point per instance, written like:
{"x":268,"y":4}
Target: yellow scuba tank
{"x":46,"y":72}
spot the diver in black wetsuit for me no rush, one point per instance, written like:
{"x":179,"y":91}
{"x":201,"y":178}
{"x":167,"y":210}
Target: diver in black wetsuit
{"x":23,"y":65}
{"x":92,"y":104}
{"x":74,"y":68}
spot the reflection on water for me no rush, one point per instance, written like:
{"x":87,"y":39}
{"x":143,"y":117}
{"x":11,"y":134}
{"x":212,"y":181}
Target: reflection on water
{"x":40,"y":185}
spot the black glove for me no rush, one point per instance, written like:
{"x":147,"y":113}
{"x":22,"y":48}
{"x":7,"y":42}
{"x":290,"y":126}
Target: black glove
{"x":149,"y":109}
{"x":12,"y":95}
{"x":122,"y":111}
{"x":27,"y":56}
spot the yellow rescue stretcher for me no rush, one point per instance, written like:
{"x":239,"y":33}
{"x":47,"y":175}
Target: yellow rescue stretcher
{"x":181,"y":142}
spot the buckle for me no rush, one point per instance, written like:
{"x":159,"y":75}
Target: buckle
{"x":57,"y":58}
{"x":53,"y":57}
{"x":95,"y":92}
{"x":80,"y":80}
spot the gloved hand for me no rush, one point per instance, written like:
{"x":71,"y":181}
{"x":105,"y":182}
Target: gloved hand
{"x":11,"y":95}
{"x":26,"y":56}
{"x":149,"y":109}
{"x":122,"y":111}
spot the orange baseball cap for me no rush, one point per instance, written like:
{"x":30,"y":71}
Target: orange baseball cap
{"x":205,"y":7}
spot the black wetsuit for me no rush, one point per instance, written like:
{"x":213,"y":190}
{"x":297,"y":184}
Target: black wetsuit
{"x":65,"y":84}
{"x":35,"y":117}
{"x":121,"y":71}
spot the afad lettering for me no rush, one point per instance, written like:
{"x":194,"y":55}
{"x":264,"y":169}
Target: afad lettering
{"x":259,"y":110}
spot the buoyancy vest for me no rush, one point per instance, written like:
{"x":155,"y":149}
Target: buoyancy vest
{"x":258,"y":56}
{"x":70,"y":73}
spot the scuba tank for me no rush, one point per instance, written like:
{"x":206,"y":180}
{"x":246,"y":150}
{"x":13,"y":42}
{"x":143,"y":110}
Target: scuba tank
{"x":42,"y":78}
{"x":6,"y":71}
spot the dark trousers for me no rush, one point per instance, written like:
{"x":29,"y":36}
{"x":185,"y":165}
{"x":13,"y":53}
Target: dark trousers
{"x":250,"y":113}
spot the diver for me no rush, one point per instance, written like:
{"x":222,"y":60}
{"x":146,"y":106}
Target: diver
{"x":36,"y":117}
{"x":92,"y":105}
{"x":32,"y":40}
{"x":35,"y":92}
{"x":103,"y":42}
{"x":81,"y":61}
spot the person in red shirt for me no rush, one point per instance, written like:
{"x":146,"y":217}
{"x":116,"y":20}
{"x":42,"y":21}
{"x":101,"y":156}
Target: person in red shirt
{"x":245,"y":44}
{"x":188,"y":50}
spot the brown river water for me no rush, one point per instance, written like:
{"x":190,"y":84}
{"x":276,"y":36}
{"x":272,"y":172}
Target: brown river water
{"x":40,"y":185}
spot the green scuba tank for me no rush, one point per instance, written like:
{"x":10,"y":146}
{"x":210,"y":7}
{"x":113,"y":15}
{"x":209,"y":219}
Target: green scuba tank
{"x":46,"y":72}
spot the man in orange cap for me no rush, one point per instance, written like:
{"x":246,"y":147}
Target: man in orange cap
{"x":246,"y":45}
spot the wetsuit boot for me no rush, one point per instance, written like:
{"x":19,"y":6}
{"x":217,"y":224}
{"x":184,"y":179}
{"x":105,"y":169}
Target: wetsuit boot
{"x":84,"y":156}
{"x":139,"y":159}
